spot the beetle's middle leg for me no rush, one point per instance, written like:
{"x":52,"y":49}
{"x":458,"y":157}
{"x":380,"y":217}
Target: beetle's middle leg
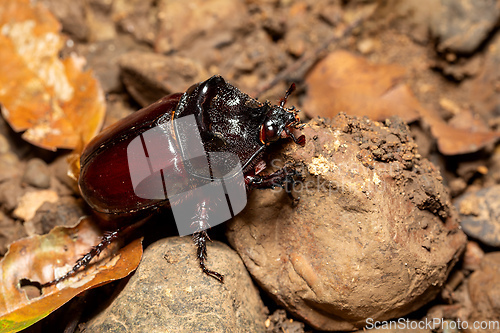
{"x":200,"y":237}
{"x":284,"y":178}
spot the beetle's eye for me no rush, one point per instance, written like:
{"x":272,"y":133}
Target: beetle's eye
{"x":269,"y":132}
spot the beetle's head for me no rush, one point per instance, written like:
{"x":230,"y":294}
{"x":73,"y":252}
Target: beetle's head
{"x":281,"y":122}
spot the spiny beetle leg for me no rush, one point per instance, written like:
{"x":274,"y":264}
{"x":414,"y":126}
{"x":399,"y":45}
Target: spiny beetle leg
{"x":84,"y":261}
{"x":284,"y":178}
{"x":107,"y":238}
{"x":200,"y":238}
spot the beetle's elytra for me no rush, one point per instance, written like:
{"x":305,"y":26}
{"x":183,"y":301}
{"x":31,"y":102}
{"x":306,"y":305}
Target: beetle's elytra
{"x":228,"y":121}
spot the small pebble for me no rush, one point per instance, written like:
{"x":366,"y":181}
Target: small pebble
{"x":366,"y":46}
{"x":9,"y":166}
{"x":4,"y":145}
{"x":480,"y":215}
{"x":37,"y":174}
{"x":472,"y":256}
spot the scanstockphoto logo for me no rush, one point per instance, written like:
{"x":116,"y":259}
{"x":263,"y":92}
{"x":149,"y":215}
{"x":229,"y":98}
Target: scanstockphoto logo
{"x":170,"y":162}
{"x":429,"y":324}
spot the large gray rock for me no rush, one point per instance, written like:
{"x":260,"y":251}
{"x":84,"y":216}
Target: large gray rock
{"x":170,"y":293}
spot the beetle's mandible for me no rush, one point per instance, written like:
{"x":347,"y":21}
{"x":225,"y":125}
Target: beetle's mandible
{"x":228,"y":122}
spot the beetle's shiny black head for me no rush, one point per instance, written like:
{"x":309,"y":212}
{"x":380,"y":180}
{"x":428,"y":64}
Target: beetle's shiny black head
{"x":280,"y":122}
{"x":231,"y":121}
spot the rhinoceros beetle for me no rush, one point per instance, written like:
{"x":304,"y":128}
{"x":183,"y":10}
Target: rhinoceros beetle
{"x":228,"y":121}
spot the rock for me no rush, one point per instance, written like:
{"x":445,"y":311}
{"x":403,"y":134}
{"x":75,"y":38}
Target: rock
{"x":170,"y":293}
{"x":9,"y":166}
{"x":278,"y":322}
{"x":100,"y":24}
{"x":137,"y":17}
{"x":485,"y":294}
{"x":37,"y":174}
{"x":4,"y":144}
{"x":59,"y":168}
{"x":484,"y":100}
{"x":67,"y":211}
{"x":103,"y":57}
{"x":473,"y":256}
{"x":31,"y":201}
{"x":462,"y":25}
{"x":373,"y":236}
{"x":181,"y":26}
{"x":411,"y":17}
{"x":10,"y":231}
{"x":150,"y":76}
{"x":480,"y":214}
{"x":10,"y":193}
{"x":71,"y":15}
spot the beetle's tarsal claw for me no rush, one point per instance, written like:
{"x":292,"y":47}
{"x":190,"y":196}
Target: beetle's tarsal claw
{"x":200,"y":239}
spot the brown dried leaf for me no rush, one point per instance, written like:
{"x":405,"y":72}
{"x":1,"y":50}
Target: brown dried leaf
{"x":52,"y":100}
{"x":38,"y":258}
{"x":456,"y":141}
{"x":346,"y":83}
{"x":343,"y":82}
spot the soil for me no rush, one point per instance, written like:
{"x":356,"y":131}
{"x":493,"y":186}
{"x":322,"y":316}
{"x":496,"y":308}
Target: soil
{"x":450,"y":52}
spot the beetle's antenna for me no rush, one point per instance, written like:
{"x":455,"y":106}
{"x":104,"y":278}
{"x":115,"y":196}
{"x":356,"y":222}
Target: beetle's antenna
{"x":288,"y":92}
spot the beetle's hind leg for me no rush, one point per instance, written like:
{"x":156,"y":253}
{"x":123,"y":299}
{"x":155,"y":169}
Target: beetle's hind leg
{"x":200,"y":237}
{"x":107,"y":238}
{"x":84,"y":261}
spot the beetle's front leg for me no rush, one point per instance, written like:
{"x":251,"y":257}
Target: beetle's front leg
{"x":284,"y":178}
{"x":200,"y":238}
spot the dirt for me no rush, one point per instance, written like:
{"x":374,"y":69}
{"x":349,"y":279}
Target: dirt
{"x":449,"y":50}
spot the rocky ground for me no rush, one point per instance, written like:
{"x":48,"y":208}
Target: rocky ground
{"x":399,"y":212}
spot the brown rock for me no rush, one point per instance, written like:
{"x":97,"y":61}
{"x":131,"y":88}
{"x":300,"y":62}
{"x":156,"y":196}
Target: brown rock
{"x":103,"y":56}
{"x":67,"y":211}
{"x":170,"y":293}
{"x":462,"y":25}
{"x":10,"y":193}
{"x":150,"y":76}
{"x":485,"y":294}
{"x":37,"y":174}
{"x":473,"y":256}
{"x":137,"y":17}
{"x":9,"y":166}
{"x":182,"y":25}
{"x":10,"y":230}
{"x":71,"y":15}
{"x":373,"y":236}
{"x":480,"y":214}
{"x":59,"y":168}
{"x":278,"y":322}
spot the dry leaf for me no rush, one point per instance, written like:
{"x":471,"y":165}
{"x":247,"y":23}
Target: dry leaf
{"x":343,"y":82}
{"x":37,"y":258}
{"x":52,"y":100}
